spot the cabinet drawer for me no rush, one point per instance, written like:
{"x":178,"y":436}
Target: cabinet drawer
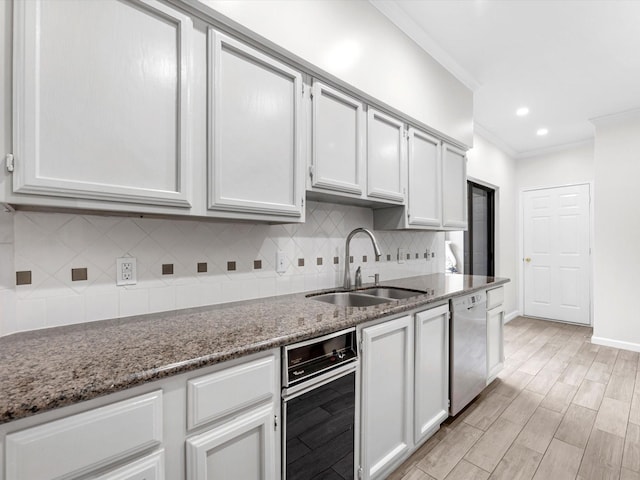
{"x":495,"y":297}
{"x":214,"y":396}
{"x":84,"y":442}
{"x":150,"y":467}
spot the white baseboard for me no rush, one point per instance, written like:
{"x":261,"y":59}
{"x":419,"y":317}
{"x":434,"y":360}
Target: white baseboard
{"x":511,"y":316}
{"x":609,"y":342}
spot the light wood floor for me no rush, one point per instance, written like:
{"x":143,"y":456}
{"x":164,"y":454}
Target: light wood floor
{"x":562,"y":408}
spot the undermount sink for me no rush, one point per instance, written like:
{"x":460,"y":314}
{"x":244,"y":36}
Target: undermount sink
{"x":350,"y":299}
{"x":389,"y":292}
{"x":366,"y":297}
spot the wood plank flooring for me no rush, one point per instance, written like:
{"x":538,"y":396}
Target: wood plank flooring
{"x":562,"y":408}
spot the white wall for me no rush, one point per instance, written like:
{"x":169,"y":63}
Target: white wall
{"x":572,"y":165}
{"x":353,"y":41}
{"x":617,"y":231}
{"x":490,"y":165}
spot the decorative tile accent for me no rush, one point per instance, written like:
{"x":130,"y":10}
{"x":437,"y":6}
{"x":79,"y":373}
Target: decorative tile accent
{"x":364,"y":258}
{"x":388,"y":257}
{"x":257,"y":264}
{"x":231,"y":266}
{"x":202,"y":267}
{"x":167,"y":268}
{"x":78,"y":274}
{"x":301,"y":262}
{"x":417,"y":255}
{"x":23,"y":278}
{"x":336,"y":260}
{"x":319,"y":261}
{"x":350,"y":258}
{"x":408,"y":256}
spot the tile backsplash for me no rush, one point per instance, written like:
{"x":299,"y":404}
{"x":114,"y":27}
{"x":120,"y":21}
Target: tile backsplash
{"x":210,"y":262}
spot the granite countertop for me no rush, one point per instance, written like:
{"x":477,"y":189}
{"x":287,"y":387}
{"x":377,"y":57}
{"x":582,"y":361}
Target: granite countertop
{"x":46,"y":369}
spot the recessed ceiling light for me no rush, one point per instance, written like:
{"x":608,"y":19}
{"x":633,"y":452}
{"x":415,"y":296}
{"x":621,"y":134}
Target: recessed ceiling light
{"x":522,"y":111}
{"x":542,"y":131}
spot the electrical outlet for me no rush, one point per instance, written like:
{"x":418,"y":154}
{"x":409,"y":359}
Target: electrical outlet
{"x":126,"y":271}
{"x":281,"y":262}
{"x":402,"y":255}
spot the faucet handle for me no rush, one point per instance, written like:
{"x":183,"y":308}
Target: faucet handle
{"x":376,"y":279}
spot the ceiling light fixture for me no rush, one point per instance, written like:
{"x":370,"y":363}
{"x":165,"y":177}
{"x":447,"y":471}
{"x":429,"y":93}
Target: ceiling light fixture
{"x":522,"y":111}
{"x":542,"y":131}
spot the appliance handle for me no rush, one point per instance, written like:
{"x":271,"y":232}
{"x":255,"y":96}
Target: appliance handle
{"x":316,"y":382}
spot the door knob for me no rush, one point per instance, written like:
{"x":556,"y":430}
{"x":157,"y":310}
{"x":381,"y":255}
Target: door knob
{"x":528,"y":259}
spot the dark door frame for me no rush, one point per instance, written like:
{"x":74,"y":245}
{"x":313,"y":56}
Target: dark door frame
{"x":491,"y":227}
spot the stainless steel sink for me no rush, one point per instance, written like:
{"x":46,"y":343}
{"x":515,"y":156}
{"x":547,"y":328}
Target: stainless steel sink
{"x":389,"y":292}
{"x":366,"y":297}
{"x":350,"y":299}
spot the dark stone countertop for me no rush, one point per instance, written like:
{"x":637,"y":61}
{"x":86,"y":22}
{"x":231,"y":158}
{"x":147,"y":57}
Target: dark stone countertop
{"x":46,"y":369}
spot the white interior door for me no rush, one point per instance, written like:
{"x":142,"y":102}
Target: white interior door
{"x":557,"y":273}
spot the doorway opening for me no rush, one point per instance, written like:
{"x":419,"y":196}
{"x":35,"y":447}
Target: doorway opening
{"x":479,"y":239}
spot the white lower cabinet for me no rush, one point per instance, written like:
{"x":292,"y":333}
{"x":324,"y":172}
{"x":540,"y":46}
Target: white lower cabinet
{"x":150,"y":467}
{"x":85,"y":442}
{"x":240,"y":403}
{"x":431,"y":392}
{"x":387,"y":390}
{"x":242,"y":448}
{"x":495,"y":328}
{"x":495,"y":348}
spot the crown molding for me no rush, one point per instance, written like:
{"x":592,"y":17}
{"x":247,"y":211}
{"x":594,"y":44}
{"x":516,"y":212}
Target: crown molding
{"x":613,"y":118}
{"x":491,"y":137}
{"x":404,"y":22}
{"x":555,"y":149}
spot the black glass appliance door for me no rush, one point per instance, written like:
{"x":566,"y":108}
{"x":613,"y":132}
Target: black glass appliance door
{"x":320,"y":432}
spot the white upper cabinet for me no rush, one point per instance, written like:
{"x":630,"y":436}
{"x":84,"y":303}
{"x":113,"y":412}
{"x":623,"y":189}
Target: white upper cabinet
{"x":338,"y":132}
{"x":101,"y":101}
{"x":425,"y":189}
{"x":454,"y":185}
{"x":255,"y":159}
{"x":386,"y":147}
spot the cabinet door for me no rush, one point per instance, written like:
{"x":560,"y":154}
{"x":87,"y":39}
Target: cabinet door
{"x":385,"y":156}
{"x":454,"y":188}
{"x":431,"y":371}
{"x":495,"y":342}
{"x":150,"y":467}
{"x":254,"y":131}
{"x":424,"y":202}
{"x":242,"y":448}
{"x":387,"y":366}
{"x":337,"y":141}
{"x":101,"y":105}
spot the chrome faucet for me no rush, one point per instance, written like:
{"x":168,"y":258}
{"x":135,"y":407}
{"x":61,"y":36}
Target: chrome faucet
{"x":376,"y":249}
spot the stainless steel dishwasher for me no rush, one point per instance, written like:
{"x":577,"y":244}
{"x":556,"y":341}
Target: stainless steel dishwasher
{"x":468,"y":362}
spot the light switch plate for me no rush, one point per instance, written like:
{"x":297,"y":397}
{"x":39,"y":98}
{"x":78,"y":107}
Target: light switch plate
{"x":126,"y":272}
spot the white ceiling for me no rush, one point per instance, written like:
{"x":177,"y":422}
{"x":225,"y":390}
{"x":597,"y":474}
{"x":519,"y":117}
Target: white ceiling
{"x":567,"y":60}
